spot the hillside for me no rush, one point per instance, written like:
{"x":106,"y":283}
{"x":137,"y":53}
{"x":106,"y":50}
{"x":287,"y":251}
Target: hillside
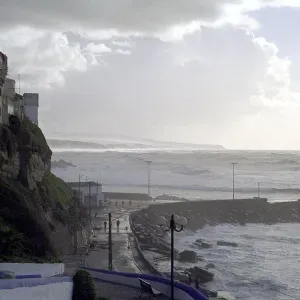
{"x":110,"y":145}
{"x":36,"y":208}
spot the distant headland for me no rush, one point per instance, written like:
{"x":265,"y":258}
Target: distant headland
{"x":111,"y":145}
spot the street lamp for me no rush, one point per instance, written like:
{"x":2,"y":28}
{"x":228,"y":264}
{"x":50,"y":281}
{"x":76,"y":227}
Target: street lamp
{"x":176,"y":224}
{"x":233,"y":164}
{"x":149,"y":162}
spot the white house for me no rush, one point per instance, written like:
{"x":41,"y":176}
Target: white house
{"x":31,"y":107}
{"x":18,"y":105}
{"x":8,"y":95}
{"x":88,"y":190}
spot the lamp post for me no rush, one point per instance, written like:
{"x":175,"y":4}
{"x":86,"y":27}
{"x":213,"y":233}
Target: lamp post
{"x":109,"y":243}
{"x":176,"y":224}
{"x":149,"y":177}
{"x":149,"y":162}
{"x":233,"y":164}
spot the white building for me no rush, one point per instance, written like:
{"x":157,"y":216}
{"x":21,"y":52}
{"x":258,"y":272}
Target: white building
{"x":8,"y":95}
{"x":31,"y":107}
{"x":89,"y":191}
{"x":18,"y":105}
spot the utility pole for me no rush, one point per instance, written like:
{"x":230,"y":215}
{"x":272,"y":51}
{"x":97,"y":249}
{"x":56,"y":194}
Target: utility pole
{"x":19,"y":81}
{"x":75,"y":224}
{"x":233,"y":164}
{"x":79,"y":187}
{"x":109,"y":243}
{"x":258,"y":191}
{"x":149,"y":177}
{"x":90,"y":210}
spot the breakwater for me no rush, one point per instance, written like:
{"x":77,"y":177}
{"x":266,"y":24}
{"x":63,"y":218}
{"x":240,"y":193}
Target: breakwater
{"x":239,"y":211}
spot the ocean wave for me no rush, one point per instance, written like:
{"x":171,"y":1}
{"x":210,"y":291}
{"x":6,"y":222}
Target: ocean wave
{"x":272,"y":238}
{"x":288,"y":161}
{"x":188,"y":171}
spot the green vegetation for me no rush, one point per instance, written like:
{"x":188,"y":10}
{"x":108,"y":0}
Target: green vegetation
{"x":38,"y":139}
{"x":25,"y":234}
{"x":84,"y":287}
{"x":30,"y":215}
{"x":58,"y":191}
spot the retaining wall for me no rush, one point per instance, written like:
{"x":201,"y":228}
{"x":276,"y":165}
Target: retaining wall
{"x":162,"y":284}
{"x":58,"y":288}
{"x":33,"y":270}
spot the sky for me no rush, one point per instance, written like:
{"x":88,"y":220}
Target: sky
{"x":197,"y":71}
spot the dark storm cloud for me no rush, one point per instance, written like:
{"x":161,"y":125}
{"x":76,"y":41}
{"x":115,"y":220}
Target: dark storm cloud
{"x":124,"y":15}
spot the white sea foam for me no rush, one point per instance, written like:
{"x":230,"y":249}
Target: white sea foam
{"x":266,"y":254}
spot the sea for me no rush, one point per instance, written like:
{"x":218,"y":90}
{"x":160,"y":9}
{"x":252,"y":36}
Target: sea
{"x":266,"y":263}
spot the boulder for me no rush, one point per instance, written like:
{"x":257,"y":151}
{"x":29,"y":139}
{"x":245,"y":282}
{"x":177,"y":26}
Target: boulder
{"x":188,"y":256}
{"x":206,"y":245}
{"x":201,"y":244}
{"x":202,"y":274}
{"x":210,"y":266}
{"x":224,"y":243}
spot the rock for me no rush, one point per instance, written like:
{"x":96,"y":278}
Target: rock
{"x":212,"y":293}
{"x":210,"y":266}
{"x":61,"y":164}
{"x":224,"y":243}
{"x":200,"y":244}
{"x":202,"y":274}
{"x":206,"y":245}
{"x":188,"y":256}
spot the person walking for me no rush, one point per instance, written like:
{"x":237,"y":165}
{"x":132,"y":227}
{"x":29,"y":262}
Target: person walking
{"x":105,"y":225}
{"x":197,"y":283}
{"x":118,"y":224}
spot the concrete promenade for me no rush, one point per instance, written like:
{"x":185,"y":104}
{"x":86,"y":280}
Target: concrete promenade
{"x":121,"y":252}
{"x":125,"y":255}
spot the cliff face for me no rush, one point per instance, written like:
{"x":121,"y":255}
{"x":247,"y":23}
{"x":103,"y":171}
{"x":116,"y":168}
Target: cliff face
{"x":24,"y":153}
{"x":37,"y":218}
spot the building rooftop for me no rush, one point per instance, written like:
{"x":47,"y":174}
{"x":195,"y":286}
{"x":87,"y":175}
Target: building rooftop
{"x":75,"y":184}
{"x":126,"y":196}
{"x":18,"y":97}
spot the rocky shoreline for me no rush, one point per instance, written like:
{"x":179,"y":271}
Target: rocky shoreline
{"x":150,"y":238}
{"x":153,"y":243}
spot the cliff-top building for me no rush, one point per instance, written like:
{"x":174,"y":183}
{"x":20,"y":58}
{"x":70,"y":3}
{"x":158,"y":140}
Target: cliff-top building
{"x":12,"y":103}
{"x":31,"y":107}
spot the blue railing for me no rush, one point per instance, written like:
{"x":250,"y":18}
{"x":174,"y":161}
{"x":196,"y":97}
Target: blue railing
{"x":162,"y":284}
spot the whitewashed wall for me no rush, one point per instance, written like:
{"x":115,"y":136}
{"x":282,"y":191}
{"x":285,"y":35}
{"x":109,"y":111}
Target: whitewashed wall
{"x":32,"y":112}
{"x":36,"y":289}
{"x":44,"y":270}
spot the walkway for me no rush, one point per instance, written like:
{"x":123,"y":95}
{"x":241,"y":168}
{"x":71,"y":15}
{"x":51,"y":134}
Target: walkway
{"x":123,"y":253}
{"x":103,"y":289}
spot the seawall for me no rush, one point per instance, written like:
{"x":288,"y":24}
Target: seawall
{"x":240,"y":211}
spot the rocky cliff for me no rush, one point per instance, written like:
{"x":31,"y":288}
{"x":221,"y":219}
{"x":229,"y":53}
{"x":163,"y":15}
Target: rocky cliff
{"x":37,"y":215}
